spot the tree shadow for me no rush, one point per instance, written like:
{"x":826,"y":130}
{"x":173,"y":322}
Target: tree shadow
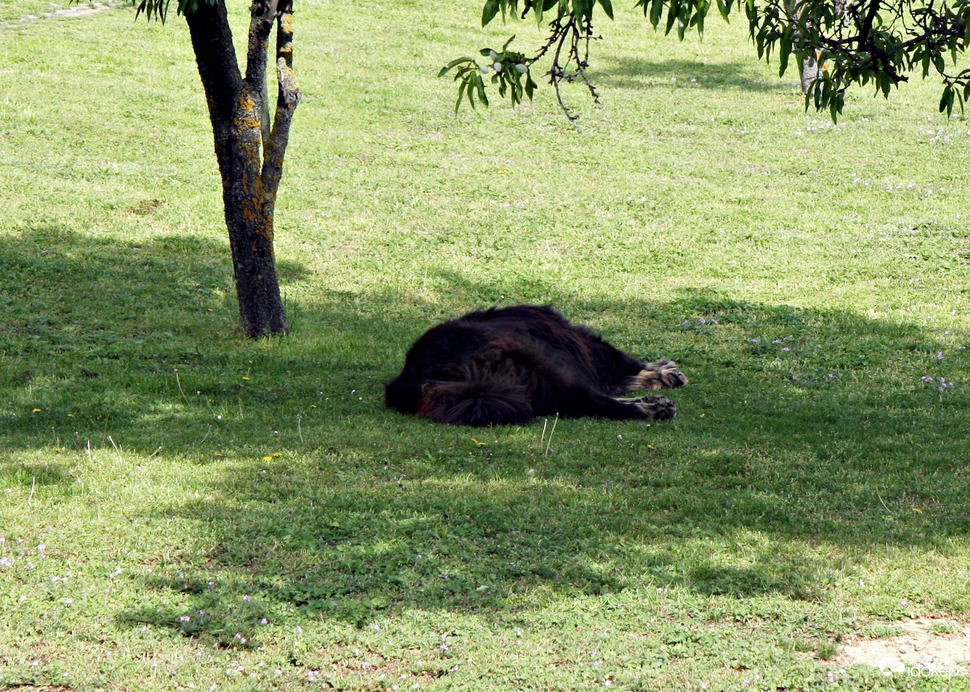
{"x":800,"y":427}
{"x":639,"y":74}
{"x":402,"y":514}
{"x":96,"y":331}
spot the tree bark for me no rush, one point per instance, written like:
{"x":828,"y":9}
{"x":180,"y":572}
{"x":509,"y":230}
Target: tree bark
{"x":810,"y":73}
{"x":250,"y":161}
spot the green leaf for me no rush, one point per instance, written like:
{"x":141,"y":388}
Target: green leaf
{"x":461,"y":91}
{"x":158,"y":9}
{"x":480,"y":83}
{"x":607,"y":7}
{"x":700,"y":14}
{"x":489,"y":11}
{"x":672,"y":13}
{"x":787,"y":38}
{"x":530,"y":86}
{"x":946,"y":102}
{"x":549,"y":4}
{"x":452,"y":65}
{"x":683,"y":20}
{"x":542,"y":8}
{"x":835,"y":105}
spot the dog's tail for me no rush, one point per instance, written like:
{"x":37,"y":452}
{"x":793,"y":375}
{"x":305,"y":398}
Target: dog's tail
{"x":480,"y":398}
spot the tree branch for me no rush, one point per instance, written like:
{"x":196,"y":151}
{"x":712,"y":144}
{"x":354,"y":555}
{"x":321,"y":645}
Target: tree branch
{"x":218,"y":69}
{"x":261,"y":23}
{"x":287,"y":99}
{"x":866,"y":29}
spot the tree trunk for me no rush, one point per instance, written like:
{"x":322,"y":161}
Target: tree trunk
{"x":249,"y":152}
{"x":811,"y":71}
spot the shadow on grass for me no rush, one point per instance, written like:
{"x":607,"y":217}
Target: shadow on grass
{"x":800,"y":428}
{"x":780,"y":447}
{"x":630,"y":73}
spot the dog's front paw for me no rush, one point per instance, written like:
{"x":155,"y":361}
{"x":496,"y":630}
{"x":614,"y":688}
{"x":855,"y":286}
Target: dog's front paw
{"x":668,"y":374}
{"x":655,"y":407}
{"x":660,"y":375}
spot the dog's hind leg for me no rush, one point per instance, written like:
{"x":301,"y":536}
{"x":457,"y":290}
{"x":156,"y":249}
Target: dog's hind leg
{"x":660,"y":375}
{"x":598,"y":405}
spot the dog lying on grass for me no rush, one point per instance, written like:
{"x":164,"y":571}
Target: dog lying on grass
{"x":508,"y":365}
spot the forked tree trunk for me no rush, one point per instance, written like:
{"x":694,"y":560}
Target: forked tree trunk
{"x":250,"y":160}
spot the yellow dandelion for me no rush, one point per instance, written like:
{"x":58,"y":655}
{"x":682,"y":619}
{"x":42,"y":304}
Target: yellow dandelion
{"x":277,"y":454}
{"x":37,"y":410}
{"x":917,"y":510}
{"x":267,"y":458}
{"x":246,"y":378}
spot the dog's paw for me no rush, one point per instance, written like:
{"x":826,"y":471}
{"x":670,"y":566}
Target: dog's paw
{"x":660,"y":375}
{"x":655,"y":407}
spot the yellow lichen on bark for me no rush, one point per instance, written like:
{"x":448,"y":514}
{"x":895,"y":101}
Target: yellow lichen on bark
{"x":247,"y":113}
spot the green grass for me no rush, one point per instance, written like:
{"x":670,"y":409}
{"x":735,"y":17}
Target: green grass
{"x":180,"y":507}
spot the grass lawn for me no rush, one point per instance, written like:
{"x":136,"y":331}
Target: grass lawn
{"x":183,"y":509}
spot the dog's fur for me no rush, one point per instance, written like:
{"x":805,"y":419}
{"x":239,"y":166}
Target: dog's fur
{"x":509,"y":365}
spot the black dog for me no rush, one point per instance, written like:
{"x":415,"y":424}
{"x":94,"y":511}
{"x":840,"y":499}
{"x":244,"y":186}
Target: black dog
{"x":509,"y":365}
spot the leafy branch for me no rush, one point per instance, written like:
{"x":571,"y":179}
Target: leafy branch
{"x":508,"y":69}
{"x":570,"y":33}
{"x":861,"y":42}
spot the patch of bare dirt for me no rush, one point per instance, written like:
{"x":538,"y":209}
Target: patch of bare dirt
{"x":80,"y":10}
{"x":145,"y":207}
{"x":927,"y":646}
